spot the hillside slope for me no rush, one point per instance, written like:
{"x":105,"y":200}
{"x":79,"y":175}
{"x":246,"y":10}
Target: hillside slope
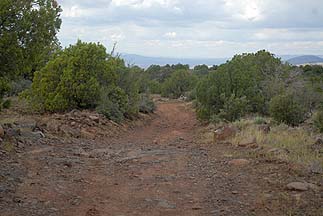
{"x":305,"y":59}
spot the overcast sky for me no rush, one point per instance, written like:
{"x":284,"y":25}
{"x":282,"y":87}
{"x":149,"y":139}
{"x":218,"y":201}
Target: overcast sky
{"x":196,"y":28}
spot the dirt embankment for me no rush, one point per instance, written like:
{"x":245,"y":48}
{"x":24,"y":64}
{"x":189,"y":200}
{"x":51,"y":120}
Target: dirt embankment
{"x":165,"y":167}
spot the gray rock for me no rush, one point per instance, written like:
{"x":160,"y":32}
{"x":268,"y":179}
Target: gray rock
{"x":12,"y":132}
{"x":316,"y":167}
{"x":302,"y":186}
{"x":32,"y":135}
{"x":95,"y":118}
{"x":165,"y":204}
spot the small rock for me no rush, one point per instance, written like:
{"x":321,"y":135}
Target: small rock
{"x":1,"y":132}
{"x":12,"y":132}
{"x":268,"y":196}
{"x":313,"y":187}
{"x":94,"y":118}
{"x":68,"y":164}
{"x":301,"y":186}
{"x":87,"y":134}
{"x":316,"y":167}
{"x":32,"y":135}
{"x":251,"y":143}
{"x":71,"y":132}
{"x":319,"y":141}
{"x":165,"y":204}
{"x":318,"y":145}
{"x":92,"y":212}
{"x":239,"y":162}
{"x":53,"y":125}
{"x":277,"y":151}
{"x":17,"y":200}
{"x":73,"y":123}
{"x":76,"y":201}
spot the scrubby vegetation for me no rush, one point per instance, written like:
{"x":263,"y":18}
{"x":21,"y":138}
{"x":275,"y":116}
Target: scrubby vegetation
{"x":285,"y":109}
{"x":178,"y":83}
{"x":27,"y":40}
{"x":72,"y":79}
{"x":259,"y":83}
{"x":86,"y":76}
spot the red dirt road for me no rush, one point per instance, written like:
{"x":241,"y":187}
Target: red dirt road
{"x":161,"y":168}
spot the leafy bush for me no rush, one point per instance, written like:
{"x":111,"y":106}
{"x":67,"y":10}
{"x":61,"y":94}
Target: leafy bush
{"x":178,"y":83}
{"x":146,"y":105}
{"x":113,"y":103}
{"x":128,"y":81}
{"x":318,"y":120}
{"x":243,"y":76}
{"x":161,"y":73}
{"x":4,"y":87}
{"x":154,"y":87}
{"x":286,"y":109}
{"x":72,"y":79}
{"x":233,"y":107}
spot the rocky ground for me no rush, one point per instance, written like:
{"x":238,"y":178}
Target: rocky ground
{"x":166,"y":164}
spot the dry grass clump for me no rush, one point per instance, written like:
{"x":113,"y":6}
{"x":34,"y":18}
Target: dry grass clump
{"x":294,"y":143}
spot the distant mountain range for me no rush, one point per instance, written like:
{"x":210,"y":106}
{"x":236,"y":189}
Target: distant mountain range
{"x":305,"y":59}
{"x":145,"y":61}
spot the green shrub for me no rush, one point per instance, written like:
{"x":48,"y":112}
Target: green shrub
{"x":233,"y":107}
{"x":4,"y":87}
{"x":227,"y":108}
{"x":178,"y":83}
{"x":203,"y":113}
{"x":146,"y":105}
{"x":72,"y":79}
{"x":318,"y":120}
{"x":129,"y":81}
{"x":154,"y":87}
{"x":113,"y":103}
{"x":286,"y":109}
{"x":244,"y":75}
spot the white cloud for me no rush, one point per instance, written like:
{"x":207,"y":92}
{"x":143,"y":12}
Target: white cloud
{"x":197,"y":28}
{"x":73,"y":12}
{"x":144,"y":4}
{"x":251,"y":10}
{"x":170,"y":35}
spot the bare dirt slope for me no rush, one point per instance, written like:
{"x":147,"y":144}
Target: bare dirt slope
{"x":161,"y":168}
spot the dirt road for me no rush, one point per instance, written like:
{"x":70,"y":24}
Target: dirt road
{"x":160,"y":168}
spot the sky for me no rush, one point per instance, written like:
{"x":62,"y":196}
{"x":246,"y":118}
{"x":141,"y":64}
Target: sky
{"x":196,"y":28}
